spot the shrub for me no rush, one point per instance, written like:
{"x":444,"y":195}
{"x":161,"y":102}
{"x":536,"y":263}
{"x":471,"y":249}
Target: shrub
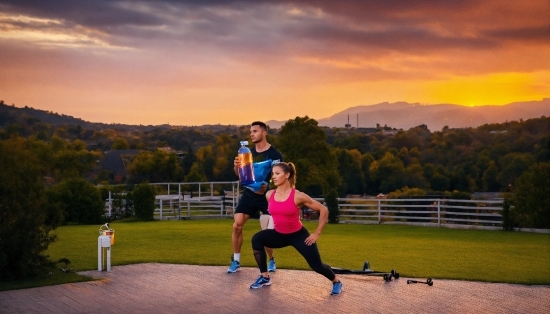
{"x":121,"y":201}
{"x":79,"y":200}
{"x":331,"y":199}
{"x":532,"y":197}
{"x":24,"y":235}
{"x":460,"y":195}
{"x":508,"y":223}
{"x":144,"y":201}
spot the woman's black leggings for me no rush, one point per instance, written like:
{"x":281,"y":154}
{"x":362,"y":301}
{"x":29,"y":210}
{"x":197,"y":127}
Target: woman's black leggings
{"x":273,"y":239}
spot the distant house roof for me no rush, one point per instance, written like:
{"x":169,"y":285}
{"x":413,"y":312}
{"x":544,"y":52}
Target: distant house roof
{"x":112,"y":161}
{"x":91,"y":145}
{"x":366,"y":130}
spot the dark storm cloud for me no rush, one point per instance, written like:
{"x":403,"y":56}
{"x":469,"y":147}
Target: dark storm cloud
{"x":411,"y":38}
{"x":93,"y":13}
{"x":538,"y":34}
{"x":104,"y":13}
{"x":249,"y":30}
{"x":387,"y":24}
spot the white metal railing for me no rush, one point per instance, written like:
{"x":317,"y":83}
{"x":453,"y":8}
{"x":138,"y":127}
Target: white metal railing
{"x":179,"y":208}
{"x":198,"y":200}
{"x":205,"y":202}
{"x":205,"y":189}
{"x":481,"y":214}
{"x":186,"y":200}
{"x":428,"y":212}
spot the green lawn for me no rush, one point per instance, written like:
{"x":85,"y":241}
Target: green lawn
{"x":479,"y":255}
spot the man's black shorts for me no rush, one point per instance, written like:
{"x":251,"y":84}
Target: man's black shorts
{"x":250,"y":203}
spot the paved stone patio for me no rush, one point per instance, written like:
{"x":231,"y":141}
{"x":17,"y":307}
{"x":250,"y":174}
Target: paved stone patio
{"x":168,"y":288}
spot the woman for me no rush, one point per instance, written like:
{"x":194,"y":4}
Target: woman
{"x":284,"y":206}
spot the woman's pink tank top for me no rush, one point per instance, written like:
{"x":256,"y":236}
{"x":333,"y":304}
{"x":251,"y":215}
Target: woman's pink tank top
{"x":285,"y":214}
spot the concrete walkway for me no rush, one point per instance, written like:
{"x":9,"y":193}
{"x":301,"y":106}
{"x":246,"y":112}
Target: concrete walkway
{"x":167,"y":288}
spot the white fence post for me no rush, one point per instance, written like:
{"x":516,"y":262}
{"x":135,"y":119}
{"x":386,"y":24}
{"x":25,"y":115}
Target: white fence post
{"x":379,"y":217}
{"x":439,"y":213}
{"x":110,"y":204}
{"x":160,"y":205}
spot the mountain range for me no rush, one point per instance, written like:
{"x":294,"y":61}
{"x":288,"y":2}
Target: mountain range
{"x":399,"y":115}
{"x":404,"y":115}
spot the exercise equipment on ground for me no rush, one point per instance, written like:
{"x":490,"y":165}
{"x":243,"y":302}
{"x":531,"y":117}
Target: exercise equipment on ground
{"x":428,"y":281}
{"x":367,"y":272}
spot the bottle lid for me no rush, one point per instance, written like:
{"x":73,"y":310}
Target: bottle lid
{"x":244,"y":143}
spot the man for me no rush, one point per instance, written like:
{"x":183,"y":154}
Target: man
{"x":251,"y":202}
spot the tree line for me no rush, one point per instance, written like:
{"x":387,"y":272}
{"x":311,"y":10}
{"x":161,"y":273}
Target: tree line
{"x":489,"y":158}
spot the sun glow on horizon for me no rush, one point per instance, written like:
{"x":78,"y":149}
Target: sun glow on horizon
{"x":491,"y":89}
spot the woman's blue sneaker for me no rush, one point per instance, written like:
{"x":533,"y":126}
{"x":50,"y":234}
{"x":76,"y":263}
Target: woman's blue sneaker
{"x":260,"y":282}
{"x":336,"y":287}
{"x":271,"y":267}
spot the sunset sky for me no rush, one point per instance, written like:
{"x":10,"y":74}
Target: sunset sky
{"x":232,"y":62}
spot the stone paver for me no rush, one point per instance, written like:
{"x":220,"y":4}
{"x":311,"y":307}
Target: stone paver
{"x":168,"y":288}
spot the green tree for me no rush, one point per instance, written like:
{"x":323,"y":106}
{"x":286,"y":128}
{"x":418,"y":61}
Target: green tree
{"x":120,"y":144}
{"x":73,"y":163}
{"x":348,"y":142}
{"x":406,"y":193}
{"x":513,"y":165}
{"x":508,"y":222}
{"x":196,"y":174}
{"x":79,"y":201}
{"x":217,"y":160}
{"x":390,"y":173}
{"x":225,"y":151}
{"x":371,"y":186}
{"x":331,"y":199}
{"x":413,"y":177}
{"x":349,"y":162}
{"x":460,"y":195}
{"x":25,"y":226}
{"x":532,"y":197}
{"x":490,"y":182}
{"x":187,"y":161}
{"x":543,"y":150}
{"x":439,"y":182}
{"x":206,"y":160}
{"x":143,"y":197}
{"x":303,"y":143}
{"x":459,"y":180}
{"x":429,"y":170}
{"x":157,"y":166}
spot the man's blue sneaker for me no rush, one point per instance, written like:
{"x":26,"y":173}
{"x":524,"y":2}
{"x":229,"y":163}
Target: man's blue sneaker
{"x":336,"y":287}
{"x":234,"y":267}
{"x":271,"y":267}
{"x":260,"y":282}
